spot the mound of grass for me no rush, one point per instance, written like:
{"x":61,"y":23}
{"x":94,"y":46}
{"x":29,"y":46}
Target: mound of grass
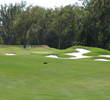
{"x":97,"y":51}
{"x":94,"y":51}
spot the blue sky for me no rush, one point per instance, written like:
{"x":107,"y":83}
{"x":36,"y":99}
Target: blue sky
{"x":44,"y":3}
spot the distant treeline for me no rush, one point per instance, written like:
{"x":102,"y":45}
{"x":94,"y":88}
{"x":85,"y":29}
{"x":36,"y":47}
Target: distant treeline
{"x":62,"y":27}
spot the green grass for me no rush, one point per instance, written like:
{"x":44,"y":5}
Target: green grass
{"x":25,"y":77}
{"x":94,"y":51}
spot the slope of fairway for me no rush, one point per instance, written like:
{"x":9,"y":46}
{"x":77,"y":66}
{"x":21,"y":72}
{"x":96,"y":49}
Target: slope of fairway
{"x":26,"y":77}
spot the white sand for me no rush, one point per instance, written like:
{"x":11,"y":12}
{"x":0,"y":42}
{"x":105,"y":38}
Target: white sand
{"x":52,"y":56}
{"x":76,"y":55}
{"x":79,"y":54}
{"x":102,"y":60}
{"x":10,"y":54}
{"x":108,"y":56}
{"x":83,"y":51}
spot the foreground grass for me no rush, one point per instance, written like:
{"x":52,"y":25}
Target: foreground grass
{"x":25,"y":77}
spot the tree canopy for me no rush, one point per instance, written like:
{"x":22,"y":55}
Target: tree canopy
{"x":62,"y":27}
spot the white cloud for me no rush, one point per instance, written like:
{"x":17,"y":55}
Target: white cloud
{"x":44,"y":3}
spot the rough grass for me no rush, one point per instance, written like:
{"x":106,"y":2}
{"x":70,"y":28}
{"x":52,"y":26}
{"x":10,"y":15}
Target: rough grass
{"x":25,"y":77}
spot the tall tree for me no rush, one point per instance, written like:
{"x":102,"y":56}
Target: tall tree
{"x":8,"y":13}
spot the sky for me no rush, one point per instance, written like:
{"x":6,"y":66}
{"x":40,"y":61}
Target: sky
{"x":44,"y":3}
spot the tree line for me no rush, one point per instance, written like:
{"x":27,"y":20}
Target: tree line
{"x":62,"y":27}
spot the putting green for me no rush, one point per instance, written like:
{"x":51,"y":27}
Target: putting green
{"x":26,"y":77}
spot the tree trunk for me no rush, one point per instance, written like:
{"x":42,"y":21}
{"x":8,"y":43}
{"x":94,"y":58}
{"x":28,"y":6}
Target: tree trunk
{"x":38,"y":42}
{"x":24,"y":42}
{"x":59,"y":43}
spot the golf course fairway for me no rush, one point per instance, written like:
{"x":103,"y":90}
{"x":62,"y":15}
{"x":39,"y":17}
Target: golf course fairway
{"x":29,"y":75}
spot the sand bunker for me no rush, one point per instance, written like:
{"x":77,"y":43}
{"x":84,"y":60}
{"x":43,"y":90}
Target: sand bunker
{"x":108,"y":56}
{"x":79,"y":54}
{"x":76,"y":55}
{"x":52,"y":56}
{"x":10,"y":54}
{"x":102,"y":60}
